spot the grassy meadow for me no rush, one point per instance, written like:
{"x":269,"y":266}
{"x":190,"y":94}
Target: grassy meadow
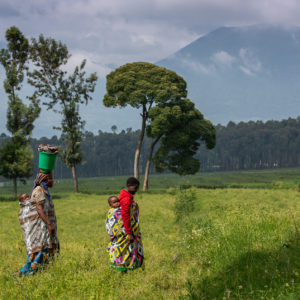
{"x":288,"y":178}
{"x":238,"y":242}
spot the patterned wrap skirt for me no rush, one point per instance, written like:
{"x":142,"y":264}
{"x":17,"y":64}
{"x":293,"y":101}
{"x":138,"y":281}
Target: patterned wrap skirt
{"x":124,"y":256}
{"x":34,"y":262}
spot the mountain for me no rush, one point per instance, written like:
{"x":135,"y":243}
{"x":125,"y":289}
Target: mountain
{"x":242,"y":73}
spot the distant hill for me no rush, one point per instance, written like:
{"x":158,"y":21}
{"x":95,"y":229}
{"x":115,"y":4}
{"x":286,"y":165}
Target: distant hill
{"x":242,"y":73}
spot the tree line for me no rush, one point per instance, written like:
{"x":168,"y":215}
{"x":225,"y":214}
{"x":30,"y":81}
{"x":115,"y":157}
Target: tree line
{"x":254,"y":145}
{"x":240,"y":146}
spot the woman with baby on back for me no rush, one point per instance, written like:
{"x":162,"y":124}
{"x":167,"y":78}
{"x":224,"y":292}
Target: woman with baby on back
{"x":122,"y":224}
{"x":37,"y":216}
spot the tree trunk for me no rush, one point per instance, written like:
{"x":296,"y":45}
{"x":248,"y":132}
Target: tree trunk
{"x":15,"y":187}
{"x":139,"y":144}
{"x":146,"y":179}
{"x":75,"y":179}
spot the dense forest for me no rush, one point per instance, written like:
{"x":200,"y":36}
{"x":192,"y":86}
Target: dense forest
{"x":254,"y":145}
{"x":246,"y":145}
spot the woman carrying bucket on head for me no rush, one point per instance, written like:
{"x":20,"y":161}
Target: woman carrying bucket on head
{"x":38,"y":220}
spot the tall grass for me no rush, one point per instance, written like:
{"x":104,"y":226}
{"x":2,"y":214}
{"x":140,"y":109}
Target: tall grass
{"x":233,"y":244}
{"x":184,"y":202}
{"x":243,"y":245}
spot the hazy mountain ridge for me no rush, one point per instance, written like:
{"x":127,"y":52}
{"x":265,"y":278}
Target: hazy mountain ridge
{"x":242,"y":73}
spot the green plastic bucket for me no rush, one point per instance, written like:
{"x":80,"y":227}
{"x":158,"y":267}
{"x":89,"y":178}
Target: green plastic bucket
{"x":47,"y":161}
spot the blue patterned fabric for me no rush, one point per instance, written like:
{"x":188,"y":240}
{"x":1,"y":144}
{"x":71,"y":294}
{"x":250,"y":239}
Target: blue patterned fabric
{"x":34,"y":261}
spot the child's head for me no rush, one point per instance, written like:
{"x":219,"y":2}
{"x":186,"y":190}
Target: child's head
{"x":24,"y":197}
{"x":113,"y":202}
{"x":132,"y":185}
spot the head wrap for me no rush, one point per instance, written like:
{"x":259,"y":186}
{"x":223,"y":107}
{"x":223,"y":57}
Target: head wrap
{"x":40,"y":180}
{"x":40,"y":177}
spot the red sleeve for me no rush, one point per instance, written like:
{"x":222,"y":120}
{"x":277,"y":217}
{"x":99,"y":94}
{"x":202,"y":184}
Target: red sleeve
{"x":125,"y":213}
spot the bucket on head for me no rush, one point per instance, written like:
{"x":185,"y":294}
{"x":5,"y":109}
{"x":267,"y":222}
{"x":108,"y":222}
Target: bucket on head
{"x":47,"y":161}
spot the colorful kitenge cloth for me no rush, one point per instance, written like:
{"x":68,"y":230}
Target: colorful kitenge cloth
{"x":35,"y":261}
{"x":122,"y":255}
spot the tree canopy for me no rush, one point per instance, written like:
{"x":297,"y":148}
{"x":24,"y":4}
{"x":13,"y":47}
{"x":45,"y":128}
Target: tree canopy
{"x":65,"y":90}
{"x":142,"y":85}
{"x":179,"y":127}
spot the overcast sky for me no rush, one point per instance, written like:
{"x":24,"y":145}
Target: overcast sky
{"x":110,"y":33}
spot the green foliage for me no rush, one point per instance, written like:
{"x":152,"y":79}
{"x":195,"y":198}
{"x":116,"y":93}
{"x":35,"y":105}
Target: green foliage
{"x":166,"y":115}
{"x":143,"y":85}
{"x":140,"y":83}
{"x":184,"y":203}
{"x":100,"y":161}
{"x":16,"y":160}
{"x":48,"y":57}
{"x":72,"y":126}
{"x":15,"y":157}
{"x":254,"y":145}
{"x":68,"y":91}
{"x":14,"y":59}
{"x":51,"y":81}
{"x":180,"y":127}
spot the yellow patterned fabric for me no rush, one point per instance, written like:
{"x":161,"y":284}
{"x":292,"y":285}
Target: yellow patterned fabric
{"x":122,"y":255}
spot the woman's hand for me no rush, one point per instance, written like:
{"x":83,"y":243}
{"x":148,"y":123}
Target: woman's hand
{"x":129,"y":238}
{"x":51,"y":229}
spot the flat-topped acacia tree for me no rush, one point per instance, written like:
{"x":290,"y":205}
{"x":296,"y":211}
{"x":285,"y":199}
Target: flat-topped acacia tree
{"x":142,"y":85}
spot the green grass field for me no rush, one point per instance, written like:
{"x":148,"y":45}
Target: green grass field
{"x":229,"y":243}
{"x":288,"y":178}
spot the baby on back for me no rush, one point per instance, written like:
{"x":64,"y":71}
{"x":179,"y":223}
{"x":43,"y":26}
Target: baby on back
{"x":113,"y":214}
{"x":31,"y":223}
{"x":114,"y":202}
{"x":24,"y":197}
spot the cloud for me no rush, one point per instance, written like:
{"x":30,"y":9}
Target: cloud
{"x":251,"y":63}
{"x":117,"y":31}
{"x":111,"y":33}
{"x":246,"y":71}
{"x":220,"y":59}
{"x":122,"y":31}
{"x":223,"y":59}
{"x":93,"y":63}
{"x":197,"y":67}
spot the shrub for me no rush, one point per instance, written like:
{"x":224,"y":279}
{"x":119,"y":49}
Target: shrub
{"x":184,"y":203}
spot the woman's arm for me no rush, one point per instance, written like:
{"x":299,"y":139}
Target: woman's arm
{"x":43,"y":216}
{"x":125,"y":213}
